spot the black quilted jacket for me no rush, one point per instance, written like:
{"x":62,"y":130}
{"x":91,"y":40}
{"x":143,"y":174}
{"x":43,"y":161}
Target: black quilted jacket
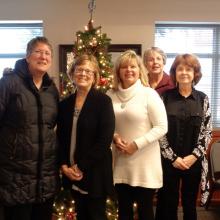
{"x":28,"y":149}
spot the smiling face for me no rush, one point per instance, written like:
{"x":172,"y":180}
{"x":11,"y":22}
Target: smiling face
{"x":40,"y":59}
{"x":84,"y":76}
{"x":184,"y":75}
{"x":154,"y":63}
{"x":129,"y":73}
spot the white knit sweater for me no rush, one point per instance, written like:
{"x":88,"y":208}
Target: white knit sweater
{"x":140,"y":117}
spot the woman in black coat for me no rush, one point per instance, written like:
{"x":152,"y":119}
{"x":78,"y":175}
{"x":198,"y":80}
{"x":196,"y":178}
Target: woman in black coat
{"x":29,"y":172}
{"x":85,"y":130}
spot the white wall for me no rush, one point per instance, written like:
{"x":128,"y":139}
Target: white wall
{"x":124,"y":21}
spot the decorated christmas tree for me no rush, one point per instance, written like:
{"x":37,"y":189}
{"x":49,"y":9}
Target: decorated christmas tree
{"x":91,"y":41}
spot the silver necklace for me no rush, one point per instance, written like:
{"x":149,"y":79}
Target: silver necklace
{"x":123,"y":104}
{"x":126,"y":96}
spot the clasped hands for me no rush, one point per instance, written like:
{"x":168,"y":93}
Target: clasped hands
{"x":73,"y":172}
{"x":123,"y":146}
{"x":184,"y":163}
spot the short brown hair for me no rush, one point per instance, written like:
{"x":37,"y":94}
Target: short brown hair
{"x":83,"y":59}
{"x":33,"y":43}
{"x":190,"y":60}
{"x":126,"y":57}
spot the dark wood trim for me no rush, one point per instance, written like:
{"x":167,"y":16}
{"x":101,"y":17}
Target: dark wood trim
{"x":123,"y":47}
{"x":67,"y":48}
{"x":63,"y":50}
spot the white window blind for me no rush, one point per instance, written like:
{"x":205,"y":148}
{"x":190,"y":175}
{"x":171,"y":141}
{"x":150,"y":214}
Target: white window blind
{"x":14,"y":36}
{"x":202,"y":40}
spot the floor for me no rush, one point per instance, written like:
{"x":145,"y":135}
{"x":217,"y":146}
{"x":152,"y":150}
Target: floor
{"x":213,"y":213}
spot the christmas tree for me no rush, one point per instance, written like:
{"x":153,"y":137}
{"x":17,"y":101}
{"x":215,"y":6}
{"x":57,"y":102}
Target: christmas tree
{"x":91,"y":41}
{"x":63,"y":207}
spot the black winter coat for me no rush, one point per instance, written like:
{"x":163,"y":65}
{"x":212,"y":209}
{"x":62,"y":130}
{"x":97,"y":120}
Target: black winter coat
{"x":28,"y":149}
{"x":95,"y":128}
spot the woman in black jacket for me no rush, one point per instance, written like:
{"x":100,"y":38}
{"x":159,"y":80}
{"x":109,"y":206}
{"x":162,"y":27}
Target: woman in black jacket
{"x":85,"y":130}
{"x":184,"y":147}
{"x":28,"y":149}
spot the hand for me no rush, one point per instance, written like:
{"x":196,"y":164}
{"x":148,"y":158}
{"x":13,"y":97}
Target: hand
{"x":73,"y":173}
{"x":120,"y":144}
{"x":180,"y":164}
{"x":189,"y":160}
{"x":76,"y":170}
{"x":131,"y":148}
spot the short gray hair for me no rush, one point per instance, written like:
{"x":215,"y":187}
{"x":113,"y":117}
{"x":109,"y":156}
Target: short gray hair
{"x":149,"y":51}
{"x":33,"y":43}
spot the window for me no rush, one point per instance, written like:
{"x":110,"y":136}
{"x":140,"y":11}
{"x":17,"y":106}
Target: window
{"x":14,"y":36}
{"x":202,"y":40}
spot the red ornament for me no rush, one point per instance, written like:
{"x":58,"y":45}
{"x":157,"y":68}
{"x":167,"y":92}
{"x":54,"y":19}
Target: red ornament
{"x":70,"y":216}
{"x":103,"y":81}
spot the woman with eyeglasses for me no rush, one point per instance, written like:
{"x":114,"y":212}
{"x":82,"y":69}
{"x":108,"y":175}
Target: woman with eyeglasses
{"x":29,"y":172}
{"x":85,"y":130}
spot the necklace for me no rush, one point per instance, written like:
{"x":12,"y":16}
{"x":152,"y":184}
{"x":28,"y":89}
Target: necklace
{"x":123,"y":104}
{"x":76,"y":112}
{"x":125,"y":95}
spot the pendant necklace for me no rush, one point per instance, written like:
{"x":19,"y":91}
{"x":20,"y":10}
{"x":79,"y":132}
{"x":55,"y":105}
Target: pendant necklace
{"x":125,"y":95}
{"x":124,"y":102}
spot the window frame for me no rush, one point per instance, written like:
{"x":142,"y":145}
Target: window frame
{"x":19,"y":24}
{"x":215,"y":56}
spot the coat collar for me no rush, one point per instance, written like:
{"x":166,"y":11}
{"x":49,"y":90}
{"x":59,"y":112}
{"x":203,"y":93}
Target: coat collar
{"x":22,"y":70}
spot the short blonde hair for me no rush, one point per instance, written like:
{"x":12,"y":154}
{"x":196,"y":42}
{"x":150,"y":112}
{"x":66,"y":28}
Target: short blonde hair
{"x":83,"y":59}
{"x":124,"y":58}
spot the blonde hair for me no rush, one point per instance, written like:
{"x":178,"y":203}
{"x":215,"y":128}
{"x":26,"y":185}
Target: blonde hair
{"x":127,"y":57}
{"x":83,"y":59}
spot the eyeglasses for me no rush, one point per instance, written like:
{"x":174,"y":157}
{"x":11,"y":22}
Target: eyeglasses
{"x":42,"y":52}
{"x":88,"y":72}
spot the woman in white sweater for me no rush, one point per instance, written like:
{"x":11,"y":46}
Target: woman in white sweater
{"x":140,"y":121}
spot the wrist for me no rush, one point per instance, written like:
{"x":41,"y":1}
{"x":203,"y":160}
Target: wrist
{"x":135,"y":145}
{"x":115,"y":137}
{"x":63,"y":168}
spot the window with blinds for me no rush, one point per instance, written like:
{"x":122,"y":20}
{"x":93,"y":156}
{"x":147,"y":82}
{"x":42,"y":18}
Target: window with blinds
{"x":14,"y":36}
{"x":202,"y":40}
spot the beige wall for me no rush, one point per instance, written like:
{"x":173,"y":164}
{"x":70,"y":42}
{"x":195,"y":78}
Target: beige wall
{"x":124,"y":21}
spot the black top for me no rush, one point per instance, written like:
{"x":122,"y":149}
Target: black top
{"x":94,"y":133}
{"x":188,"y":122}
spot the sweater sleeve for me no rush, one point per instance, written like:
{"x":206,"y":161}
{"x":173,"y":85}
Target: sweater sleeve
{"x":158,"y":119}
{"x":205,"y":131}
